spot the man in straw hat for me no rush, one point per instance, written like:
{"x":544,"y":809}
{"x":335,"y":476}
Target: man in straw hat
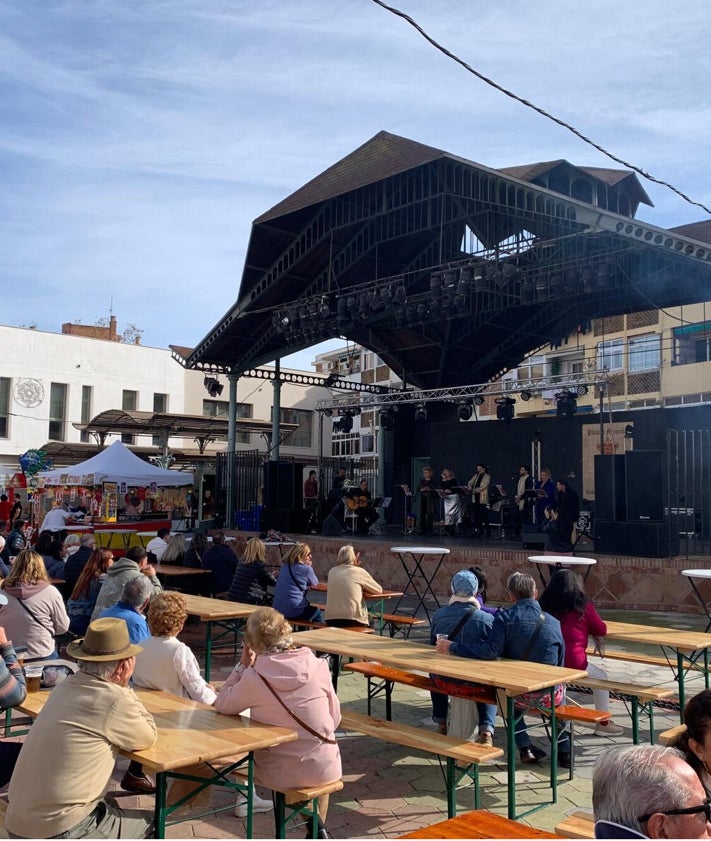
{"x":57,"y":788}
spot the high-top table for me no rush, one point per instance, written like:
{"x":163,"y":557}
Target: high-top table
{"x":701,"y":575}
{"x":423,"y":563}
{"x":218,"y":613}
{"x":190,"y":733}
{"x":686,"y":647}
{"x":511,"y":677}
{"x":560,"y":561}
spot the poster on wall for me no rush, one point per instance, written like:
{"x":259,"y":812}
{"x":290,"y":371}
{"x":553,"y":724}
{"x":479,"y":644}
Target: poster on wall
{"x":613,"y":442}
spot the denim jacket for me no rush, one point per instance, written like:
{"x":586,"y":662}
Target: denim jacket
{"x":510,"y":633}
{"x":475,"y":629}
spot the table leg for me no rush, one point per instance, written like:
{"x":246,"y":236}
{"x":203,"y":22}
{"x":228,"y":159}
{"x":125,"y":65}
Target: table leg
{"x":428,"y":583}
{"x":208,"y":650}
{"x":159,"y":814}
{"x":681,"y":680}
{"x":701,"y":601}
{"x":511,"y":756}
{"x":410,"y":582}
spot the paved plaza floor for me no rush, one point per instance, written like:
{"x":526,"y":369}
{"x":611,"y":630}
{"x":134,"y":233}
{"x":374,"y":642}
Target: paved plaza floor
{"x":390,"y":790}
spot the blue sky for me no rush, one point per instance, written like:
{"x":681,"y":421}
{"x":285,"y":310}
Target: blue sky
{"x":138,"y":140}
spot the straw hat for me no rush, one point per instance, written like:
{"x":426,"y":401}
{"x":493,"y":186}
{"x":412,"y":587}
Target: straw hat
{"x":106,"y":639}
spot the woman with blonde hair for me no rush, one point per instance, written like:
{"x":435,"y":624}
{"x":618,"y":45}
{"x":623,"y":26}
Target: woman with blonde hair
{"x":34,"y":614}
{"x":296,"y":578}
{"x":348,"y":584}
{"x":251,"y":578}
{"x":82,"y":601}
{"x":288,"y":686}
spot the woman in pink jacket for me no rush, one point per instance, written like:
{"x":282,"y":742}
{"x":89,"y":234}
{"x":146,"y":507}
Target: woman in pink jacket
{"x":299,"y":679}
{"x":565,"y":598}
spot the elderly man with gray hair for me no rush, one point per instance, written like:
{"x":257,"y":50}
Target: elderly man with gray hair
{"x":521,"y":632}
{"x":648,"y":791}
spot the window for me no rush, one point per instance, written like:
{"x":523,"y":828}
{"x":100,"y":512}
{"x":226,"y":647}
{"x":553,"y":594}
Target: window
{"x":160,"y":406}
{"x":345,"y":445}
{"x":367,"y":443}
{"x":4,"y":407}
{"x":221,"y":408}
{"x":302,"y":436}
{"x":57,"y":411}
{"x":86,"y":401}
{"x":609,"y":355}
{"x":644,"y":353}
{"x":129,"y":401}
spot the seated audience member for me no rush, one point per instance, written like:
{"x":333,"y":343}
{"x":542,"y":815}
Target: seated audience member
{"x":134,"y":563}
{"x":251,"y":578}
{"x":565,"y":598}
{"x":76,"y":561}
{"x":522,"y":632}
{"x":175,"y":551}
{"x":194,"y":553}
{"x":12,"y":693}
{"x":348,"y":583}
{"x":68,"y":757}
{"x":464,"y":620}
{"x":71,"y":545}
{"x":296,"y":577}
{"x":159,"y":543}
{"x":16,"y":538}
{"x":695,"y":741}
{"x":86,"y":591}
{"x":49,"y":545}
{"x":167,"y":663}
{"x":4,"y":558}
{"x":648,"y":791}
{"x":286,"y":685}
{"x":35,"y":611}
{"x":221,"y":561}
{"x":130,"y":608}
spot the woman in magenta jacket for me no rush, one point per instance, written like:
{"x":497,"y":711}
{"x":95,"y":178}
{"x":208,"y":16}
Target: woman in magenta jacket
{"x":565,"y":598}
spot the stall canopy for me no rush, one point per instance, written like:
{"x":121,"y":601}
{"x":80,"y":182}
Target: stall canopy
{"x":115,"y":464}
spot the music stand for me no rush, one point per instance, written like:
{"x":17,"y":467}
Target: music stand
{"x":409,"y":524}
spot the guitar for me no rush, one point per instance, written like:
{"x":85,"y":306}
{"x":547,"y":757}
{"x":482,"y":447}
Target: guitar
{"x":353,"y":503}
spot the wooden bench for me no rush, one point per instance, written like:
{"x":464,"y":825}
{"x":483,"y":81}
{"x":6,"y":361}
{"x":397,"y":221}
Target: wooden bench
{"x":397,"y":623}
{"x":302,"y":801}
{"x":639,"y":698}
{"x":668,"y":737}
{"x":577,"y":825}
{"x":462,"y":757}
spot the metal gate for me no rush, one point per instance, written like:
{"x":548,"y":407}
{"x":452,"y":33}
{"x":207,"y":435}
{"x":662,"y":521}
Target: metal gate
{"x":688,"y":505}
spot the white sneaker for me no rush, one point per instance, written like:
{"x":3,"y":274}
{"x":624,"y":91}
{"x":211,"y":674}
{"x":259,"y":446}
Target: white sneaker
{"x":258,"y":805}
{"x":609,"y":729}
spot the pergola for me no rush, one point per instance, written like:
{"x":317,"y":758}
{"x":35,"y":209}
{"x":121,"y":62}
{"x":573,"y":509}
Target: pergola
{"x":449,"y":270}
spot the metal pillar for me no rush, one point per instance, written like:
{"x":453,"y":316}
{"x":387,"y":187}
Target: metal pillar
{"x":276,"y":413}
{"x":231,"y":448}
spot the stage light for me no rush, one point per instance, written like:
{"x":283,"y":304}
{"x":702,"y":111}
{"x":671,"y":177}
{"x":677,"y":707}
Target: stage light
{"x":213,"y":386}
{"x":526,"y":396}
{"x":387,"y":420}
{"x":436,"y":285}
{"x":344,"y":424}
{"x":566,"y":404}
{"x":629,"y":431}
{"x":465,"y":410}
{"x":328,"y":413}
{"x":581,"y":390}
{"x":505,"y":409}
{"x":330,"y":380}
{"x":421,"y":413}
{"x":478,"y":400}
{"x":527,"y":292}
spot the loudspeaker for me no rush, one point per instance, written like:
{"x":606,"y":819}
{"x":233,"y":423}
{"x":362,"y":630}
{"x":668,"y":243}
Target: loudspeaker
{"x":651,"y":540}
{"x":283,"y":487}
{"x":643,"y":470}
{"x":610,"y":536}
{"x":610,"y":488}
{"x":532,"y":538}
{"x":331,"y":527}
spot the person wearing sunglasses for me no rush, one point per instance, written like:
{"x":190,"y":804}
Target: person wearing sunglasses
{"x":649,"y":791}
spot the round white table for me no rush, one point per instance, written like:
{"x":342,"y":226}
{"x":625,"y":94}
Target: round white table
{"x":411,"y":558}
{"x":560,"y":561}
{"x":702,"y":574}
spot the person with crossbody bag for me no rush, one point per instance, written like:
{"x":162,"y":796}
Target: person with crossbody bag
{"x":286,"y":685}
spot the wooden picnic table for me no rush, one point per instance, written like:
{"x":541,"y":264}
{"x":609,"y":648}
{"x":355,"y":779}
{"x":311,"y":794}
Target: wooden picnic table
{"x":479,"y":824}
{"x":190,"y":733}
{"x":512,"y":677}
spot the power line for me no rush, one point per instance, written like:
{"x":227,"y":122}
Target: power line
{"x":537,"y":108}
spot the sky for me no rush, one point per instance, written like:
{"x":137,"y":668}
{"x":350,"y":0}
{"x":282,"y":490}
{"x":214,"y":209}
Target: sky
{"x":138,"y":140}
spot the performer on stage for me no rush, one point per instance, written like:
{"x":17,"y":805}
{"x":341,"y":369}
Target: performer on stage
{"x":452,"y":502}
{"x":522,"y":506}
{"x":545,"y":483}
{"x":359,"y":501}
{"x":336,"y":494}
{"x":479,"y":486}
{"x":427,"y":496}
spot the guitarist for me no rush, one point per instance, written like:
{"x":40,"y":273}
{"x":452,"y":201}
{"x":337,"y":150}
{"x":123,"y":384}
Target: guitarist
{"x":359,"y":501}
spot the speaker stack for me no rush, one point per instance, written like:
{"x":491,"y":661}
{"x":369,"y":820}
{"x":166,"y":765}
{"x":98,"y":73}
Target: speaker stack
{"x":629,"y":508}
{"x":283,"y":492}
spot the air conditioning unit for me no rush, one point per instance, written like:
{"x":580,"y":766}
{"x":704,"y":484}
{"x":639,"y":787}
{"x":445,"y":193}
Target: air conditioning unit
{"x":331,"y":366}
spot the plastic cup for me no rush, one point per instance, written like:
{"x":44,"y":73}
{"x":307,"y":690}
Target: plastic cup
{"x":20,"y":652}
{"x":442,"y":637}
{"x":33,"y":677}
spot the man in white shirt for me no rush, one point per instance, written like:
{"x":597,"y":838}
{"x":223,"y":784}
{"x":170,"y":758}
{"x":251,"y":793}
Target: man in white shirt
{"x":56,"y":519}
{"x":159,"y":543}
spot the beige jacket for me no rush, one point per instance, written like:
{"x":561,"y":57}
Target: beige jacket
{"x":69,"y":754}
{"x":344,"y":599}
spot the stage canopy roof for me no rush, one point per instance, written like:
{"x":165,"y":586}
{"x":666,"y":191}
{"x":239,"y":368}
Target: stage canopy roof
{"x":449,"y":270}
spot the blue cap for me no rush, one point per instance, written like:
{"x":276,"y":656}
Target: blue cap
{"x":465,"y":583}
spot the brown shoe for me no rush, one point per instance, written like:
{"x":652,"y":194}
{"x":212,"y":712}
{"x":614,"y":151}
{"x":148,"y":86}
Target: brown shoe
{"x":442,"y":729}
{"x":486,"y":739}
{"x":137,"y":784}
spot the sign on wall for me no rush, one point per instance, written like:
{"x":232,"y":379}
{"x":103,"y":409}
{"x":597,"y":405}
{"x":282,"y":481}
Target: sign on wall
{"x":613,"y":442}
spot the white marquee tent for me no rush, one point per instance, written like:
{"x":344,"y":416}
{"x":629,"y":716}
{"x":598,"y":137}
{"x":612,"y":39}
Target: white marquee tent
{"x":115,"y":464}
